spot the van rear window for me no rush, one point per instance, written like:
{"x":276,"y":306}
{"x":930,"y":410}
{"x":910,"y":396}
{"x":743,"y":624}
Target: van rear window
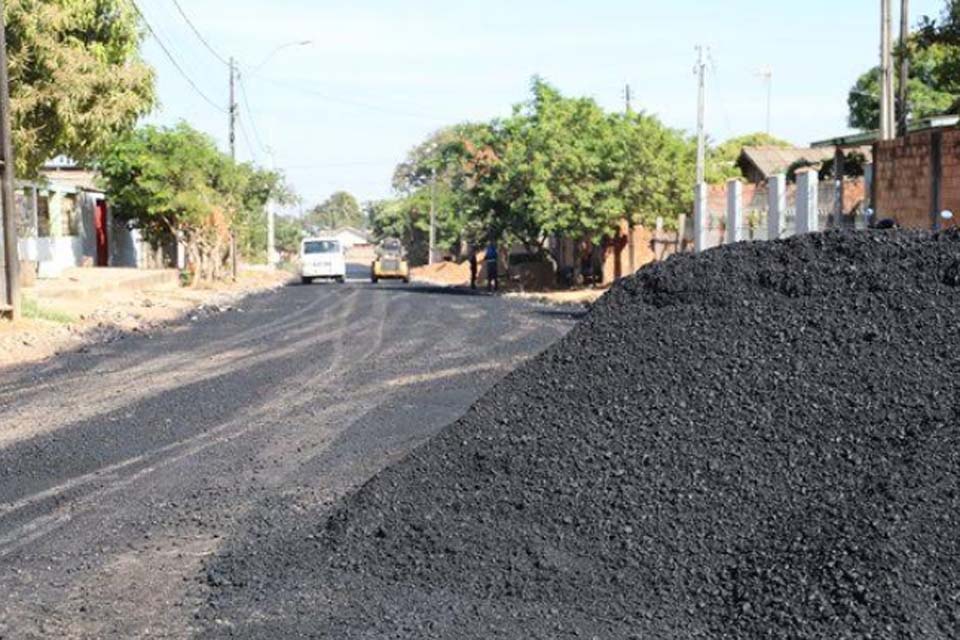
{"x":321,"y":246}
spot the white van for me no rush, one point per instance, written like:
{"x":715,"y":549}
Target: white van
{"x":322,"y":258}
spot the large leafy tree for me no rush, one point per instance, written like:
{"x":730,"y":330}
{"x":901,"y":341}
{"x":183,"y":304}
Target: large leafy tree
{"x":557,"y":166}
{"x":76,"y":77}
{"x":933,"y":85}
{"x":932,"y":88}
{"x":175,"y":182}
{"x":338,"y":210}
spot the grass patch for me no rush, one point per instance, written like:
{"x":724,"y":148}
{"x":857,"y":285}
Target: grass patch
{"x":33,"y":311}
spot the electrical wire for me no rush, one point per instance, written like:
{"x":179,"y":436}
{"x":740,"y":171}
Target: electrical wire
{"x":253,"y":124}
{"x":174,"y":62}
{"x":199,"y":35}
{"x":246,"y":139}
{"x":354,"y":103}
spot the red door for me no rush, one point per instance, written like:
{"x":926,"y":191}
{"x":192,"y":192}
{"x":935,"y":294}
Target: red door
{"x":100,"y":229}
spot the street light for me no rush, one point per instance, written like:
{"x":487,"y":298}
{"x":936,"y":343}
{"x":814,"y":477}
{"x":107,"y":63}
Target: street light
{"x":271,"y":214}
{"x":276,"y":50}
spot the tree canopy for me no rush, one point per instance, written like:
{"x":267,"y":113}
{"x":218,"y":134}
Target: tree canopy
{"x":175,"y":182}
{"x":558,"y":166}
{"x":340,"y":209}
{"x":76,"y":77}
{"x":933,"y":84}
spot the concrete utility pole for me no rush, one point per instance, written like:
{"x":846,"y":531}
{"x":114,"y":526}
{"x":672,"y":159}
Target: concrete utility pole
{"x":886,"y":72}
{"x":433,"y":217}
{"x":904,"y":109}
{"x":11,"y":280}
{"x":700,"y":71}
{"x":766,"y":74}
{"x":626,"y":96}
{"x":271,"y":220}
{"x":233,"y":155}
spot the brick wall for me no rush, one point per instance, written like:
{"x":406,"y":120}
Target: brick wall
{"x":902,"y":178}
{"x":950,"y":178}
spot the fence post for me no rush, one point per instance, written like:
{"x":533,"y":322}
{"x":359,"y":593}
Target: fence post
{"x":807,"y":213}
{"x":776,"y":205}
{"x":734,"y":210}
{"x":700,"y":217}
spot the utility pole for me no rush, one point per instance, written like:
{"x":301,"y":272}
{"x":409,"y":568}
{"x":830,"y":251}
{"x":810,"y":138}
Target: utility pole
{"x":271,"y":219}
{"x":886,"y":72}
{"x":11,"y":260}
{"x":700,"y":71}
{"x":904,"y":109}
{"x":233,"y":156}
{"x":766,"y":74}
{"x":433,"y":216}
{"x":626,"y":95}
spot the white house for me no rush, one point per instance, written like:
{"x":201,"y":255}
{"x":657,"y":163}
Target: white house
{"x":64,"y":221}
{"x":349,"y":237}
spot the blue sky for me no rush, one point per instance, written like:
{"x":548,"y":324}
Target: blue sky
{"x":379,"y":76}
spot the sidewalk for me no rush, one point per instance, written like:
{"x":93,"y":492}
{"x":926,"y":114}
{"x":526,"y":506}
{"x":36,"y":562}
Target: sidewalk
{"x":83,"y":283}
{"x":96,"y":305}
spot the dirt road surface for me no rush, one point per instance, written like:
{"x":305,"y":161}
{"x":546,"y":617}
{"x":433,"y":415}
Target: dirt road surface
{"x":125,"y":468}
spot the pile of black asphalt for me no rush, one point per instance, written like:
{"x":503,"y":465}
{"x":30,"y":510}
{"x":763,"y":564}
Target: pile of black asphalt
{"x":760,"y":441}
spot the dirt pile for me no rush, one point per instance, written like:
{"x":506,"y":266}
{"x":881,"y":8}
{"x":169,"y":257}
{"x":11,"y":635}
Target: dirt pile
{"x":759,"y":442}
{"x":444,"y":273}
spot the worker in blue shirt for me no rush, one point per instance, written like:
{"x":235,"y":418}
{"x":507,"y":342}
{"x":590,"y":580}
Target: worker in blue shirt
{"x":491,"y":258}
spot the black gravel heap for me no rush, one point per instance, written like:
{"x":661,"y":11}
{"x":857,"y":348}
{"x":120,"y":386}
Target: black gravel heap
{"x":762,"y":441}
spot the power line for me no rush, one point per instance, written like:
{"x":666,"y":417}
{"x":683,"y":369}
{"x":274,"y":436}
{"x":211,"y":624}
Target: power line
{"x":354,"y":103}
{"x":173,"y":60}
{"x":246,"y":139}
{"x":199,"y":35}
{"x":253,"y":124}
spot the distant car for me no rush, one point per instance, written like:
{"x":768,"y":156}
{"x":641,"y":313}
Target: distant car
{"x":391,"y":262}
{"x":322,"y":258}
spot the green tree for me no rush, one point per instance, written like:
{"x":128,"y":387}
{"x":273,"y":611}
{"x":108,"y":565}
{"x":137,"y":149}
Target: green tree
{"x":933,"y":85}
{"x":340,"y":209}
{"x":931,"y":89}
{"x":175,"y":182}
{"x":289,"y":232}
{"x":76,"y":77}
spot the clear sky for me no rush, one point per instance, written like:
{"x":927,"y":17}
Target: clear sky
{"x":380,"y":75}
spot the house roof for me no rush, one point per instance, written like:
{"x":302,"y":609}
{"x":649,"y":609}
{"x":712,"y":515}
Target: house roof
{"x":944,"y":121}
{"x":347,"y":229}
{"x":773,"y":160}
{"x":81,"y":179}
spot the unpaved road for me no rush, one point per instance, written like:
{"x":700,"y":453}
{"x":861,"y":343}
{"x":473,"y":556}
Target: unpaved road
{"x":124,"y":469}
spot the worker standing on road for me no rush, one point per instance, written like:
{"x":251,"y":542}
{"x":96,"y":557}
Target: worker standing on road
{"x":472,"y":257}
{"x":490,"y":258}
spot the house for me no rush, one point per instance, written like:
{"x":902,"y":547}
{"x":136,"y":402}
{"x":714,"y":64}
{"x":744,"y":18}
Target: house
{"x":64,"y":221}
{"x":349,"y":237}
{"x":760,"y":163}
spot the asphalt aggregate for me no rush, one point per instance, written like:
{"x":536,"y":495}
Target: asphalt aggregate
{"x":761,"y":441}
{"x":127,"y":469}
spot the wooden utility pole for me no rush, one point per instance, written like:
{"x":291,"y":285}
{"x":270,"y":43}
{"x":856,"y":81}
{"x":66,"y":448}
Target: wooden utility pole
{"x":700,"y":71}
{"x":886,"y":72}
{"x":11,"y":259}
{"x":233,"y":156}
{"x":903,"y":106}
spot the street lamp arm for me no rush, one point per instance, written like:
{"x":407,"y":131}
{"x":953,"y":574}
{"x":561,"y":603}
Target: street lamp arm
{"x":275,"y":51}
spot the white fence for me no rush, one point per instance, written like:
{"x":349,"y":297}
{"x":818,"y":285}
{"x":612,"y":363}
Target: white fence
{"x":772,"y":212}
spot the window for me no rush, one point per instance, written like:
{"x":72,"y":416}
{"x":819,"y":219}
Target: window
{"x":70,"y":218}
{"x":320,"y":246}
{"x":43,"y":215}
